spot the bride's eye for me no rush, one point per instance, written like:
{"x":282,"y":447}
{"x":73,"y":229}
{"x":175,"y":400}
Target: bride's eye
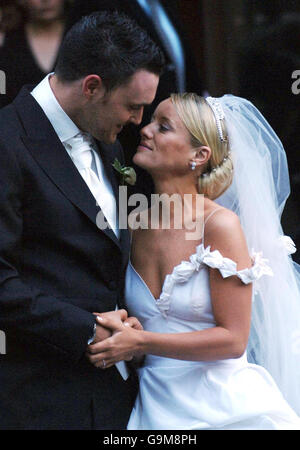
{"x":163,"y":128}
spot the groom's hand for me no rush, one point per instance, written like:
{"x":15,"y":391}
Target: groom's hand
{"x":118,"y":317}
{"x":124,"y":349}
{"x":101,"y":333}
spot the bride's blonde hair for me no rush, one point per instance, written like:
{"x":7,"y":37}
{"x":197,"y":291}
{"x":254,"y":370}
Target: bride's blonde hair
{"x":199,"y":119}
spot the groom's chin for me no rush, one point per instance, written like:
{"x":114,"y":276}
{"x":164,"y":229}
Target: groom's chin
{"x":106,"y":139}
{"x":109,"y":138}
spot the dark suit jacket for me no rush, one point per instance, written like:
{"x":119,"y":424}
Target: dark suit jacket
{"x":56,"y":268}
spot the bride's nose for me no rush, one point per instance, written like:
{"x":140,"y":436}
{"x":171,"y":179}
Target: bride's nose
{"x":147,"y":131}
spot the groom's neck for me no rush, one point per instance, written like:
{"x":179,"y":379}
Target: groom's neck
{"x":68,"y":95}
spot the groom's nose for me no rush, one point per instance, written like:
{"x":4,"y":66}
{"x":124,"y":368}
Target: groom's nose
{"x":137,"y":116}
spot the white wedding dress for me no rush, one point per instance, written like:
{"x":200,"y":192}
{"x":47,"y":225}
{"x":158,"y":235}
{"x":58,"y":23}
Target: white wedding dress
{"x":229,"y":394}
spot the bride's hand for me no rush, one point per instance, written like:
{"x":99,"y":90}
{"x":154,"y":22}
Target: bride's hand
{"x":120,"y":314}
{"x":102,"y":332}
{"x":114,"y":317}
{"x":133,"y":322}
{"x":122,"y":345}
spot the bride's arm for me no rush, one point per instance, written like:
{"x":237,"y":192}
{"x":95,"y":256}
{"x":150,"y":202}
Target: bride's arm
{"x":231,"y":302}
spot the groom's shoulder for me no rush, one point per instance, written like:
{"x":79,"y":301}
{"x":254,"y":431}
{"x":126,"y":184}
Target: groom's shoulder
{"x":23,"y":102}
{"x":12,"y":126}
{"x":9,"y":121}
{"x":9,"y":114}
{"x":14,"y":115}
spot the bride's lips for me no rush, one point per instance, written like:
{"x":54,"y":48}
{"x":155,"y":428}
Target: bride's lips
{"x":144,"y":146}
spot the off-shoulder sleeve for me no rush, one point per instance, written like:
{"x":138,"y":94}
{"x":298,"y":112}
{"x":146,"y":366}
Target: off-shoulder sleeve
{"x":227,"y":267}
{"x":205,"y":257}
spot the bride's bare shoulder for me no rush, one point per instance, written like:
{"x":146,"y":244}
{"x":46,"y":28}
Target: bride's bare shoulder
{"x":223,"y":232}
{"x":218,"y":218}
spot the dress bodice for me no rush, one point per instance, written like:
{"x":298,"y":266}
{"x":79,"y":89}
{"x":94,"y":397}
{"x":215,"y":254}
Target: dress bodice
{"x":185,"y":293}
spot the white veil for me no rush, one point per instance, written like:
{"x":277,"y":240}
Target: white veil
{"x":257,"y":195}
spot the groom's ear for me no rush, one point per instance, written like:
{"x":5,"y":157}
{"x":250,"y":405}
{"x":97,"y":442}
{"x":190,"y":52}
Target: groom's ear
{"x":92,"y":86}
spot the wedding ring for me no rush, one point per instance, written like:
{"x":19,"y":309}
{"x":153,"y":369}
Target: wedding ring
{"x":103,"y":363}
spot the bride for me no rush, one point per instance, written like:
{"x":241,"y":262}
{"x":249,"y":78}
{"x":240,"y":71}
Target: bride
{"x":220,"y":313}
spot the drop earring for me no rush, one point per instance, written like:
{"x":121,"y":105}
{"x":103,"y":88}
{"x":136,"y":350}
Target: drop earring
{"x":193,"y":165}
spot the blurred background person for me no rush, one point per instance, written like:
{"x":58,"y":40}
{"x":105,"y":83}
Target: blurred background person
{"x":30,"y":47}
{"x":10,"y":17}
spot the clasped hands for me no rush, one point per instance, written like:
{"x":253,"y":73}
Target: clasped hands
{"x":117,"y":338}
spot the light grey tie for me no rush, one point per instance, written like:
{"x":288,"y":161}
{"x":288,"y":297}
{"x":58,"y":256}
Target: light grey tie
{"x":79,"y":148}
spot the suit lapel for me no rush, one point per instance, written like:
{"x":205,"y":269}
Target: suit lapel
{"x":44,"y":145}
{"x":107,"y":155}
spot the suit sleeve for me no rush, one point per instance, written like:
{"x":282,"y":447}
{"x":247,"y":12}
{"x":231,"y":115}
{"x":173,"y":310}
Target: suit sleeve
{"x":24,"y":311}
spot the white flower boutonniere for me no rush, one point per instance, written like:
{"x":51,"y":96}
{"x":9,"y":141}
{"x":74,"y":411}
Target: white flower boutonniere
{"x":128,"y":174}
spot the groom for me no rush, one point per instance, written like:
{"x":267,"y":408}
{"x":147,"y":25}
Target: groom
{"x":57,"y":146}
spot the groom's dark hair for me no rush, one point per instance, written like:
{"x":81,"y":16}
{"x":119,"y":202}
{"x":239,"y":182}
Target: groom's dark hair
{"x":108,"y":44}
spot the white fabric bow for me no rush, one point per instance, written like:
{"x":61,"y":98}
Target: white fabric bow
{"x":287,"y":244}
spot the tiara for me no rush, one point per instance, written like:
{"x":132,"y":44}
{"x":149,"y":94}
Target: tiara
{"x":219,"y":115}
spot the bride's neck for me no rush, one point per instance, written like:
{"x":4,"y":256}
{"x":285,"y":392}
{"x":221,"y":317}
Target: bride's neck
{"x":177,"y":186}
{"x":179,"y":195}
